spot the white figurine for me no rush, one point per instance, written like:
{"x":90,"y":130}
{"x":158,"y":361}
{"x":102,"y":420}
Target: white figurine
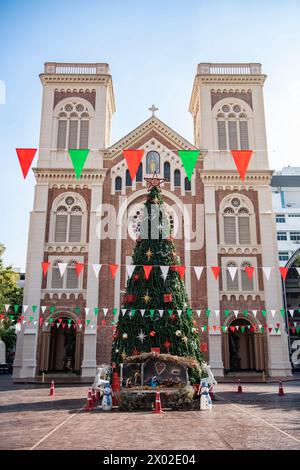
{"x":99,"y":384}
{"x":107,"y":400}
{"x":205,"y":400}
{"x":210,"y":380}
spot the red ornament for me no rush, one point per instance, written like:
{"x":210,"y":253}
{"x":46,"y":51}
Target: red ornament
{"x":136,"y":277}
{"x":173,"y":317}
{"x":203,"y":347}
{"x":135,"y":352}
{"x":129,"y":298}
{"x":167,"y":344}
{"x":194,"y":322}
{"x":155,"y":350}
{"x":152,"y":333}
{"x":138,"y":239}
{"x":168,"y":298}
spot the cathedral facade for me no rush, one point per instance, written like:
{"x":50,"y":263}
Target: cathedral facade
{"x":216,"y":220}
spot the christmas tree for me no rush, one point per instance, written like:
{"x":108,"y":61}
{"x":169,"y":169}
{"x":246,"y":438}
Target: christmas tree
{"x":155,"y":311}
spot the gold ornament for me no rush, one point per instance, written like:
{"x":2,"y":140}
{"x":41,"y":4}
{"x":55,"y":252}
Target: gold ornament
{"x":155,"y":200}
{"x":184,"y":339}
{"x":123,"y":355}
{"x":146,"y":298}
{"x":149,"y":253}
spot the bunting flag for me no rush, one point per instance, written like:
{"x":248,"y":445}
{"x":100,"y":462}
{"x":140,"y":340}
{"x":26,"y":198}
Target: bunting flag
{"x":236,"y":312}
{"x":298,"y":271}
{"x":161,"y":312}
{"x":189,"y":159}
{"x":147,"y":271}
{"x":142,"y":310}
{"x":130,"y":268}
{"x":217,"y":313}
{"x":133,"y":159}
{"x":267,"y":272}
{"x":283,"y":270}
{"x":124,"y":310}
{"x":232,"y":271}
{"x":45,"y":267}
{"x":164,"y":271}
{"x":6,"y":306}
{"x":254,"y":313}
{"x":273,"y":312}
{"x":241,"y":159}
{"x":78,"y":158}
{"x":87,"y":310}
{"x":291,"y":312}
{"x":25,"y":157}
{"x":79,"y":267}
{"x":198,"y":313}
{"x":105,"y":310}
{"x":62,"y":267}
{"x":179,"y":312}
{"x":180,"y":270}
{"x":113,"y":269}
{"x":215,"y":271}
{"x":25,"y":308}
{"x":198,"y":271}
{"x":43,"y":308}
{"x":249,"y":270}
{"x":96,"y":268}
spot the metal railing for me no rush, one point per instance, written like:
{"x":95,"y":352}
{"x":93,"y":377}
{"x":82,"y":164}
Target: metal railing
{"x":229,"y":69}
{"x":76,"y":69}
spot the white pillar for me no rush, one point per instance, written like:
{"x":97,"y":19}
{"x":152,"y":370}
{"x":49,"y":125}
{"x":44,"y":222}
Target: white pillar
{"x":25,"y":358}
{"x":278,"y":352}
{"x":214,"y":337}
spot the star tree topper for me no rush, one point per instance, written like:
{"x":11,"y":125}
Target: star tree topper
{"x":154,"y":182}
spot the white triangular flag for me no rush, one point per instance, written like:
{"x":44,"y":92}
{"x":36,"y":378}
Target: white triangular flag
{"x":254,"y":312}
{"x":24,"y":321}
{"x":232,"y":271}
{"x":130,"y":268}
{"x":295,"y":324}
{"x":69,"y":325}
{"x":179,"y":312}
{"x":124,"y":310}
{"x":46,"y":323}
{"x":96,"y":268}
{"x":142,"y":310}
{"x":43,"y":308}
{"x":105,"y":310}
{"x":236,"y":312}
{"x":86,"y":309}
{"x":25,"y":308}
{"x":198,"y":271}
{"x":237,"y":327}
{"x":35,"y":322}
{"x":91,"y":327}
{"x":161,"y":312}
{"x":198,"y":313}
{"x":291,"y":313}
{"x":217,"y":313}
{"x":6,"y":307}
{"x":57,"y":325}
{"x":164,"y":271}
{"x":62,"y":267}
{"x":80,"y":326}
{"x":273,"y":313}
{"x":267,"y":272}
{"x":298,"y":271}
{"x":202,"y":328}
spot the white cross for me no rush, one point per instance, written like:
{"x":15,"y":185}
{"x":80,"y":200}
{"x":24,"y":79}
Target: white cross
{"x":153,"y":109}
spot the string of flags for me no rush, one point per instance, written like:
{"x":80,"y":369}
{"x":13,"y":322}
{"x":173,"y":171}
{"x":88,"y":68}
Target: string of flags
{"x":130,"y":268}
{"x":133,"y":159}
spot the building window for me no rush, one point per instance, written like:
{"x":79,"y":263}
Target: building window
{"x":57,"y":280}
{"x":167,"y":171}
{"x":68,"y":281}
{"x":236,"y":222}
{"x":128,"y":179}
{"x":72,"y":279}
{"x":139,"y":174}
{"x":281,"y":236}
{"x":247,"y":284}
{"x":118,"y":183}
{"x":187,"y":184}
{"x":294,"y":215}
{"x":232,"y":128}
{"x":177,"y":178}
{"x":283,"y":256}
{"x":152,"y":162}
{"x":68,"y":218}
{"x":73,"y":127}
{"x":232,"y":284}
{"x":295,"y":236}
{"x":280,"y":218}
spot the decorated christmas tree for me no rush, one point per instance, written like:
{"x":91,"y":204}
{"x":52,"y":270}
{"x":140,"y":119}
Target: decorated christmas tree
{"x":155,"y":311}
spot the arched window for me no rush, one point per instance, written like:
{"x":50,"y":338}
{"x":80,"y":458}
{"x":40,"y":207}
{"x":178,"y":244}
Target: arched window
{"x":128,"y":178}
{"x":73,"y":127}
{"x":57,"y":280}
{"x":68,"y":223}
{"x":232,"y":128}
{"x":152,"y":162}
{"x":177,"y":178}
{"x":187,"y":184}
{"x":139,"y":174}
{"x":236,"y":222}
{"x":167,"y":171}
{"x":247,"y":284}
{"x":72,"y":279}
{"x":232,"y":284}
{"x":118,"y":183}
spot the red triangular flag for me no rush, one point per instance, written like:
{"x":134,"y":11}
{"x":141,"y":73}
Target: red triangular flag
{"x":45,"y":266}
{"x":232,"y":328}
{"x":133,"y":159}
{"x":241,"y":160}
{"x":216,"y":271}
{"x":284,"y":272}
{"x":59,"y":320}
{"x":79,"y":267}
{"x":249,"y":270}
{"x":25,"y":157}
{"x":41,"y":321}
{"x":113,"y":269}
{"x":147,"y":271}
{"x":180,"y":270}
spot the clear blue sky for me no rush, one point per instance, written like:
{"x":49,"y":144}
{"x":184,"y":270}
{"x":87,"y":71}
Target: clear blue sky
{"x":153,"y":48}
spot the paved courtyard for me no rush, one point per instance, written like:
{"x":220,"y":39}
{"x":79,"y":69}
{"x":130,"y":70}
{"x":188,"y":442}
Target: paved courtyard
{"x":256,"y":419}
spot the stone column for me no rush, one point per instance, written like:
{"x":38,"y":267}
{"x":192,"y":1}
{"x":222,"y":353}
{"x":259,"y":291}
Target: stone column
{"x":25,"y":358}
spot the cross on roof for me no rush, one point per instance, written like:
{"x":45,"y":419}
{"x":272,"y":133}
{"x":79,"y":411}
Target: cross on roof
{"x":153,"y":109}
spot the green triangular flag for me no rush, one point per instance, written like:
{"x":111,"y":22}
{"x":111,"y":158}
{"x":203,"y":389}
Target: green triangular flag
{"x":30,"y":318}
{"x":115,"y":311}
{"x":264,"y":313}
{"x":152,"y":312}
{"x":96,"y":310}
{"x":69,"y":321}
{"x":170,"y":312}
{"x":246,"y":313}
{"x":52,"y":309}
{"x":282,"y":312}
{"x":77,"y":310}
{"x":204,"y":327}
{"x":207,"y":312}
{"x":189,"y":312}
{"x":223,"y":328}
{"x":50,"y":320}
{"x":78,"y":157}
{"x":88,"y":322}
{"x":226,"y":313}
{"x":11,"y":317}
{"x":16,"y":308}
{"x":243,"y":329}
{"x":298,"y":331}
{"x":132,"y":312}
{"x":189,"y":158}
{"x":34,"y":308}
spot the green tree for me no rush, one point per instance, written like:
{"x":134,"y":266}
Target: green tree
{"x":172,"y":332}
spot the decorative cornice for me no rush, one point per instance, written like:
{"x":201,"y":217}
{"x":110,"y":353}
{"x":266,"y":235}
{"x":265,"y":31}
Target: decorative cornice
{"x":225,"y":250}
{"x":67,"y":176}
{"x":64,"y":78}
{"x":222,"y":177}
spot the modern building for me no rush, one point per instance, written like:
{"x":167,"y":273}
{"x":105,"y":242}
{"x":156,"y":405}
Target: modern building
{"x":218,"y":220}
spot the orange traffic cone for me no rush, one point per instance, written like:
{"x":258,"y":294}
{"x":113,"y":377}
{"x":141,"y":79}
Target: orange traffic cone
{"x":93,"y":396}
{"x":281,"y":391}
{"x":239,"y":390}
{"x":157,"y":409}
{"x":52,"y":389}
{"x":89,"y":401}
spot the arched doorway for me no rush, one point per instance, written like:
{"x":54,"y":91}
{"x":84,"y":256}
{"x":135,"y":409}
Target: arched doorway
{"x":291,"y":293}
{"x":243,"y":347}
{"x":61,"y":347}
